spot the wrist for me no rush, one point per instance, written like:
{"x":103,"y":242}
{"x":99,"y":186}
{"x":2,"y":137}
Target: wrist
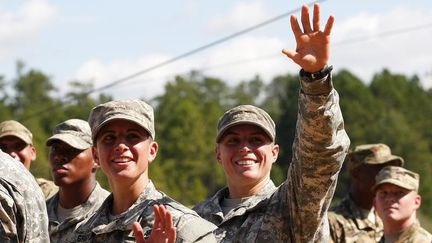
{"x":320,"y":74}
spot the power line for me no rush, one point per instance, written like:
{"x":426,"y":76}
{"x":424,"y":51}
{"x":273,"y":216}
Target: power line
{"x":181,"y":56}
{"x":279,"y":55}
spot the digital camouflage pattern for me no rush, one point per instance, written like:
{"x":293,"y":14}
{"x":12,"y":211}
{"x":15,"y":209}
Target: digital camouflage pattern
{"x":398,"y":176}
{"x":74,"y":132}
{"x":136,"y":111}
{"x":16,"y":129}
{"x":59,"y":229}
{"x":296,"y":211}
{"x":414,"y":234}
{"x":22,"y":204}
{"x":349,"y":224}
{"x":48,"y":187}
{"x":102,"y":227}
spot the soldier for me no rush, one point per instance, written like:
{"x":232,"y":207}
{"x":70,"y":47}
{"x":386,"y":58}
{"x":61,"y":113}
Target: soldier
{"x":16,"y":140}
{"x":74,"y":171}
{"x":251,"y":208}
{"x":354,"y":218}
{"x":396,"y":201}
{"x":123,"y":145}
{"x":22,"y":204}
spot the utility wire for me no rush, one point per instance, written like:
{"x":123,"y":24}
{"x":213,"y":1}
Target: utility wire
{"x":169,"y":61}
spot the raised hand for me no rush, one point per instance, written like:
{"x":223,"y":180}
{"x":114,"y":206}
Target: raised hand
{"x":163,"y":229}
{"x":313,"y":45}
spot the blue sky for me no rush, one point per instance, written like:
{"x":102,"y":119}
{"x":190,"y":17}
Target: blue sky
{"x":104,"y":41}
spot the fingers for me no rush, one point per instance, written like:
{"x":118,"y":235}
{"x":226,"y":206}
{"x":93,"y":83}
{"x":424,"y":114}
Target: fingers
{"x":290,"y":53}
{"x":316,"y":17}
{"x":305,"y":19}
{"x":172,"y":235}
{"x":329,"y":25}
{"x":295,"y":27}
{"x":138,"y":232}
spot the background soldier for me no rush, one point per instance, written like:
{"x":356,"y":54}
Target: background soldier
{"x":74,"y":171}
{"x":22,"y":205}
{"x":397,"y":201}
{"x":354,"y":219}
{"x":16,"y":140}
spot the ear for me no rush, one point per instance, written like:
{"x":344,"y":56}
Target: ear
{"x":275,"y":152}
{"x":95,"y":155}
{"x":153,"y":151}
{"x":218,"y":154}
{"x":417,"y":201}
{"x":33,"y":152}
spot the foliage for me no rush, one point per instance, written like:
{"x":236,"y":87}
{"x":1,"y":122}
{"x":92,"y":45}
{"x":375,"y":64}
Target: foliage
{"x":393,"y":109}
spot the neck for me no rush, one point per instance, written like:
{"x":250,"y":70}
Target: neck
{"x":363,"y":199}
{"x":395,"y":227}
{"x":126,"y":194}
{"x":240,"y":191}
{"x":76,"y":194}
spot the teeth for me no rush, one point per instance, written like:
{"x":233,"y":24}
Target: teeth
{"x":245,"y":162}
{"x":121,"y":160}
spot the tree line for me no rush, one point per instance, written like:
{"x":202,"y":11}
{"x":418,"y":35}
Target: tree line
{"x":393,"y":109}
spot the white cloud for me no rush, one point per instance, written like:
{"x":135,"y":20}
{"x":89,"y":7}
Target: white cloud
{"x":242,"y":15}
{"x":244,"y":57}
{"x":148,"y":84}
{"x":407,"y":52}
{"x":23,"y":25}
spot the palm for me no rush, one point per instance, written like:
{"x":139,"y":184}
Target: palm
{"x":313,"y":45}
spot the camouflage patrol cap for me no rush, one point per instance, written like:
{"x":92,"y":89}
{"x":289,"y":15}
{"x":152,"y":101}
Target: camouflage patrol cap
{"x":246,"y":114}
{"x":136,"y":111}
{"x":75,"y":132}
{"x":372,"y":154}
{"x":397,"y":176}
{"x":16,"y":129}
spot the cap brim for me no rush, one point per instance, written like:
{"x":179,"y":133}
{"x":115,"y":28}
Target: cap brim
{"x":69,"y":139}
{"x":394,"y":182}
{"x":125,"y":118}
{"x":24,"y":139}
{"x":242,"y":122}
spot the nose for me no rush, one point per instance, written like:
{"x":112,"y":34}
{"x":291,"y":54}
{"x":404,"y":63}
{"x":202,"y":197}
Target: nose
{"x":244,"y":148}
{"x":121,"y":146}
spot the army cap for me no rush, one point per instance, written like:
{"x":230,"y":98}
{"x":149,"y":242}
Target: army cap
{"x":16,"y":129}
{"x":75,"y":132}
{"x":397,"y":176}
{"x":246,"y":114}
{"x":372,"y":154}
{"x":136,"y":111}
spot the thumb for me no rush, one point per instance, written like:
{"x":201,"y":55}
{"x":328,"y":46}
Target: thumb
{"x":289,"y":53}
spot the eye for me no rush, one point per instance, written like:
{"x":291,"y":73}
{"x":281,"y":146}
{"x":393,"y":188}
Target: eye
{"x":108,"y":138}
{"x":257,"y":140}
{"x":231,"y":140}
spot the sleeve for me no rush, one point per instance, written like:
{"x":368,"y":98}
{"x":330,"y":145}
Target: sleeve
{"x":8,"y":217}
{"x":319,"y":149}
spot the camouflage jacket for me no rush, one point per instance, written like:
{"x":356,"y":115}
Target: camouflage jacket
{"x":414,"y":234}
{"x":58,"y":229}
{"x":348,"y":224}
{"x":48,"y":187}
{"x":99,"y":228}
{"x":22,"y":204}
{"x":296,"y":211}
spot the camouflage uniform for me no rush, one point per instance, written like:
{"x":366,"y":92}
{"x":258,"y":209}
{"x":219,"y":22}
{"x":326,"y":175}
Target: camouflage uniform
{"x":296,"y":211}
{"x":348,"y":224}
{"x":48,"y":187}
{"x":100,"y":228}
{"x":346,"y":220}
{"x":414,"y":234}
{"x":22,"y":204}
{"x":57,"y":229}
